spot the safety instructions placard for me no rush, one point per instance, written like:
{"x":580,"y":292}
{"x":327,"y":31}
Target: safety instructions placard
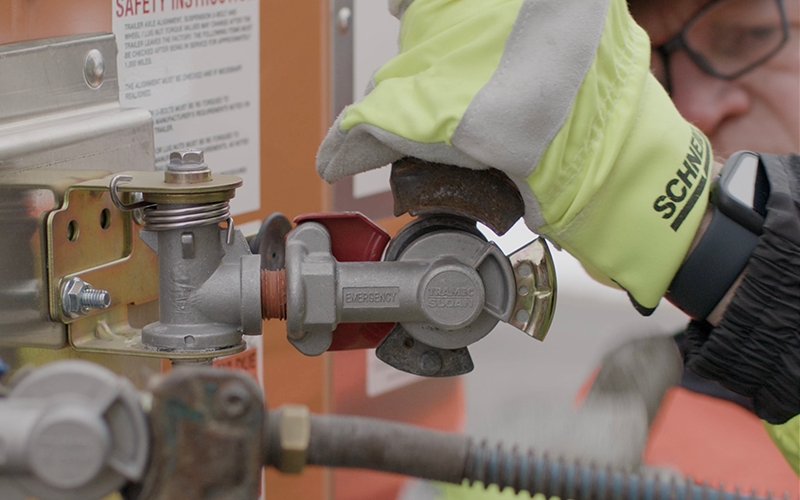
{"x":195,"y":65}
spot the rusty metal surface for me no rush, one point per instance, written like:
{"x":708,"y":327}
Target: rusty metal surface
{"x":488,"y":196}
{"x":207,"y":426}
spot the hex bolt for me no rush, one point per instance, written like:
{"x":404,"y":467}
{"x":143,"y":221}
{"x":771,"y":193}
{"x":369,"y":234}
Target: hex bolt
{"x":190,"y":160}
{"x":187,"y":167}
{"x":79,"y":297}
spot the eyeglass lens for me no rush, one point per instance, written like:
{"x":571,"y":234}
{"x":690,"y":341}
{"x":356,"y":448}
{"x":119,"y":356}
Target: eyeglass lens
{"x":728,"y":37}
{"x":734,"y":34}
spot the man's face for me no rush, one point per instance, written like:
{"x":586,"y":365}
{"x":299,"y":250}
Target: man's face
{"x":759,"y":110}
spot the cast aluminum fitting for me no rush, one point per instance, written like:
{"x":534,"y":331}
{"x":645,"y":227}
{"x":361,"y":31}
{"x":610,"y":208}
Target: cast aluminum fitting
{"x":209,"y":290}
{"x":448,"y":289}
{"x":208,"y":281}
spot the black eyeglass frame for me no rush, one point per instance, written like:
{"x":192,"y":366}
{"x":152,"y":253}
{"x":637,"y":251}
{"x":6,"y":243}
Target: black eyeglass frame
{"x":678,"y":42}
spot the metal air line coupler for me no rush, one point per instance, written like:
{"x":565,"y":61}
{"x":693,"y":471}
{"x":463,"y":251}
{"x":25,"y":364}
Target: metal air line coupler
{"x":448,"y":298}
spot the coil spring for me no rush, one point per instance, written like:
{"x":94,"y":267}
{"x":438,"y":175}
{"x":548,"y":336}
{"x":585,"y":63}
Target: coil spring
{"x":540,"y":474}
{"x":159,"y":218}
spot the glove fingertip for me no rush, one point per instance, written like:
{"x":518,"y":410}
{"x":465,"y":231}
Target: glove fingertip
{"x":326,"y":153}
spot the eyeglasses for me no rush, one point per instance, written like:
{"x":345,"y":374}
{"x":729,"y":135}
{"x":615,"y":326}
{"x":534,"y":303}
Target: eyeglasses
{"x":727,"y":38}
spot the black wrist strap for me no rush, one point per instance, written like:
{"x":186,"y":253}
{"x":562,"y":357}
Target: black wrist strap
{"x":712,"y":267}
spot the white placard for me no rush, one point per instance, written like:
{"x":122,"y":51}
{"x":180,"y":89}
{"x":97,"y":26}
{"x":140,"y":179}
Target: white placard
{"x":195,"y":65}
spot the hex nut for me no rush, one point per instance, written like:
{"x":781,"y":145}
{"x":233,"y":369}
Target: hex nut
{"x":294,"y":431}
{"x":71,"y":296}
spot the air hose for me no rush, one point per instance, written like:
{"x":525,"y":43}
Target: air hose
{"x":357,"y":442}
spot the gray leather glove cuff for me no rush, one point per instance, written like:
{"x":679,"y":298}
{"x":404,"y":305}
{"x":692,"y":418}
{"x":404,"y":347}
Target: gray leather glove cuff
{"x":755,"y":350}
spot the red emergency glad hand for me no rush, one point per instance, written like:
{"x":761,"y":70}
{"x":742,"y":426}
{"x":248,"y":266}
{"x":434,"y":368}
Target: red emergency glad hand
{"x":354,"y":238}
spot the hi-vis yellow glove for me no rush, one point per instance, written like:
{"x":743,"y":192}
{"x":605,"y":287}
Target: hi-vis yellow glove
{"x":558,"y":95}
{"x":787,"y":438}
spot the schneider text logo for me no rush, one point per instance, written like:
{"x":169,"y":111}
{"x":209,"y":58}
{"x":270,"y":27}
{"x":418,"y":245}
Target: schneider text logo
{"x":684,"y":189}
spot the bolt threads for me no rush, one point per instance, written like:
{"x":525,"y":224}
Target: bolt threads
{"x":564,"y":479}
{"x":273,"y":294}
{"x":95,"y":299}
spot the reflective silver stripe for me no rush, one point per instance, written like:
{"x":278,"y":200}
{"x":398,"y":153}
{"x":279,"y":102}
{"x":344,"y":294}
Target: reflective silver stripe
{"x":519,"y":111}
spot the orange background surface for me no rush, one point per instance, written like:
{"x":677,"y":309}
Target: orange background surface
{"x":691,"y":435}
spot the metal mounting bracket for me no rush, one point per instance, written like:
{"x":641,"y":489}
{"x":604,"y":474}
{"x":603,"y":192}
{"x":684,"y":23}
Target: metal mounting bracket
{"x":60,"y":124}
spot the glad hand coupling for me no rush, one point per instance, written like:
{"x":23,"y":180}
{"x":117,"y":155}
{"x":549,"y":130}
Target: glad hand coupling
{"x":421,"y":298}
{"x":439,"y":287}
